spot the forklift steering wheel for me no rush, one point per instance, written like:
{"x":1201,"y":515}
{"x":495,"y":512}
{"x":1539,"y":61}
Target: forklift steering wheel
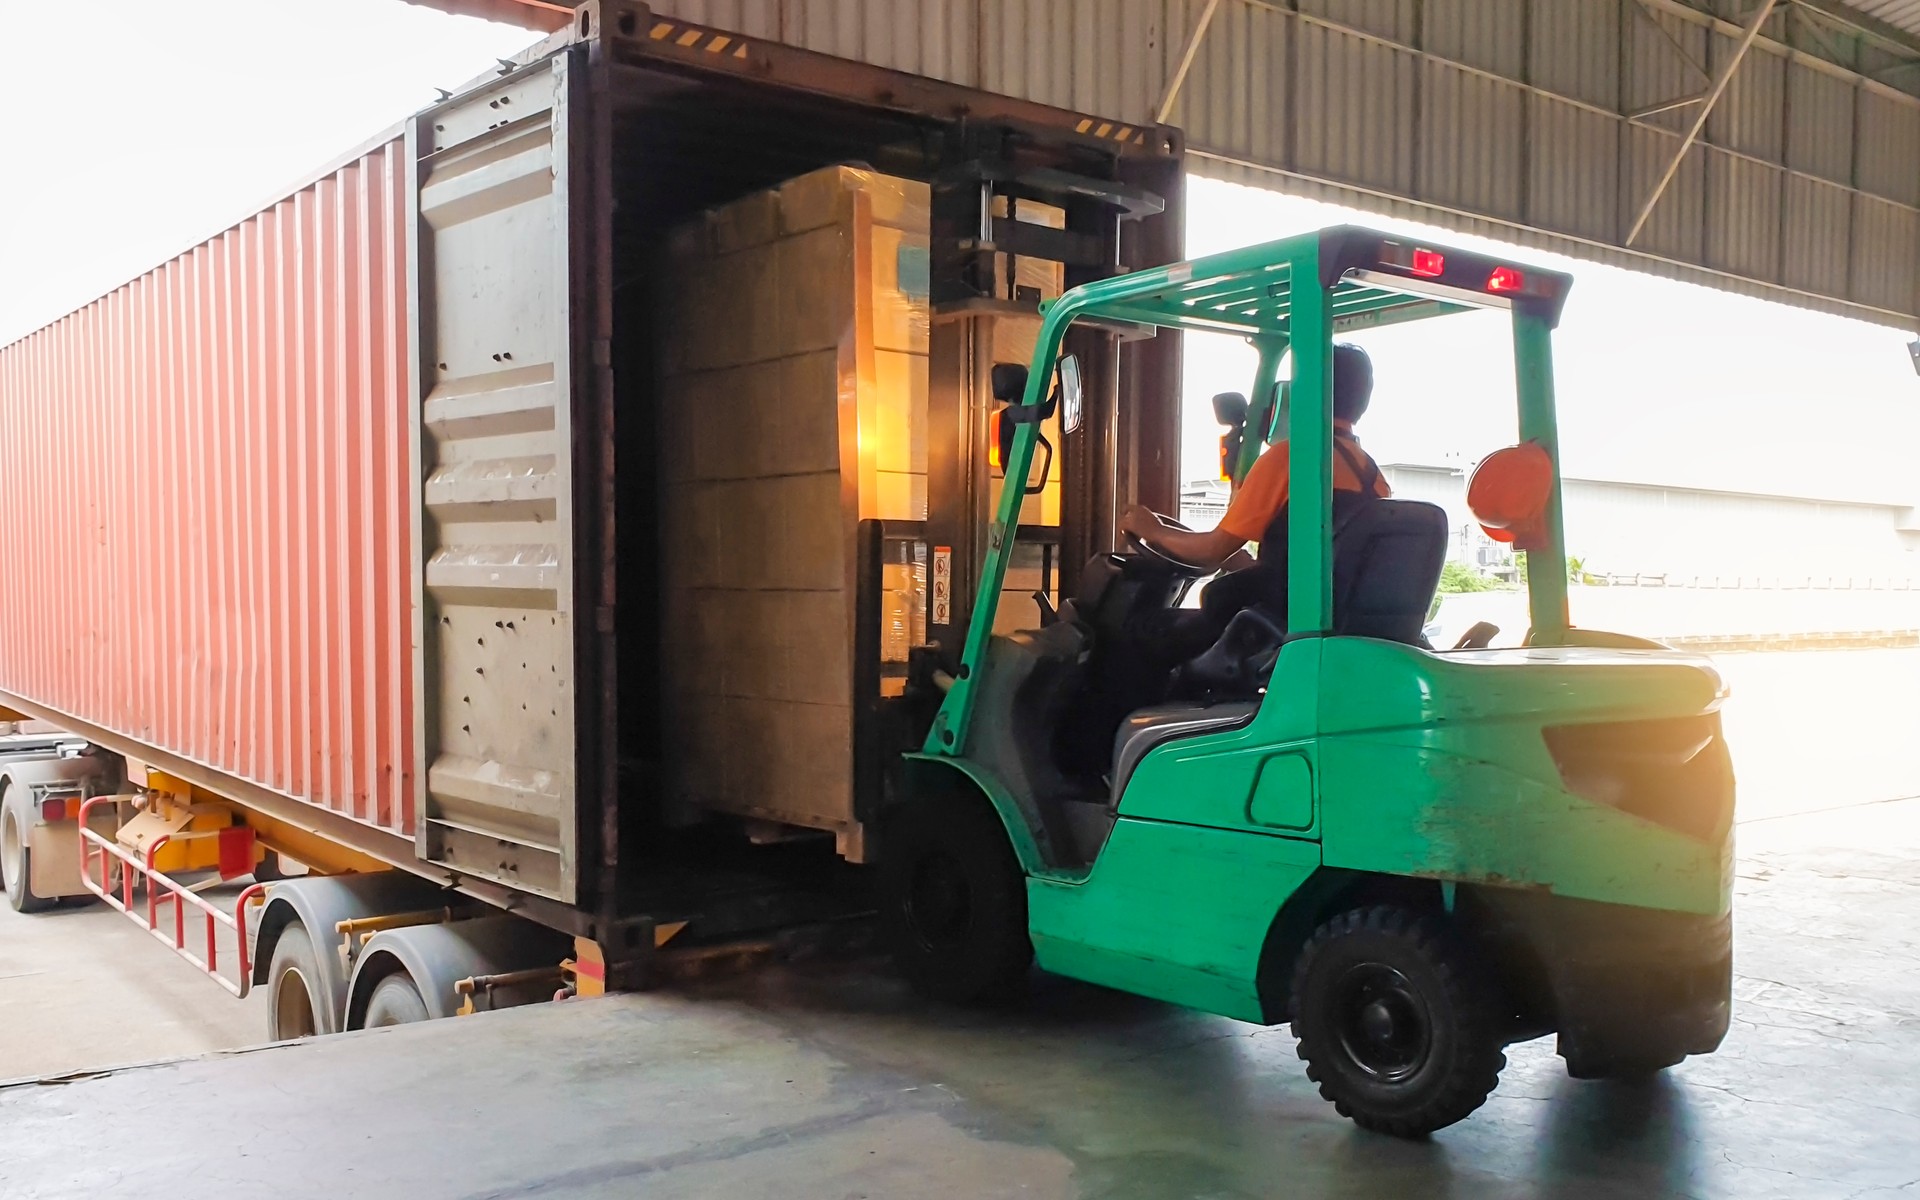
{"x":1143,"y":550}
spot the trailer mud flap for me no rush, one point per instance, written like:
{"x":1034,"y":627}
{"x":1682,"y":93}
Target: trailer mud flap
{"x":497,"y":749}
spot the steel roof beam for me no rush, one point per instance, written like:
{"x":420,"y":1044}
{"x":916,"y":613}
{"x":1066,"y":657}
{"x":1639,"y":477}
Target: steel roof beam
{"x":1186,"y":61}
{"x":1890,"y":36}
{"x":1720,"y":81}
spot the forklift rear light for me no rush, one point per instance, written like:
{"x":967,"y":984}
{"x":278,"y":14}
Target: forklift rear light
{"x":54,"y":809}
{"x":1506,"y":279}
{"x":1415,"y":260}
{"x":1674,"y":772}
{"x":997,"y":442}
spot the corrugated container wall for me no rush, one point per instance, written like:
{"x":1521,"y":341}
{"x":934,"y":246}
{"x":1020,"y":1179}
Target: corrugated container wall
{"x":205,"y":474}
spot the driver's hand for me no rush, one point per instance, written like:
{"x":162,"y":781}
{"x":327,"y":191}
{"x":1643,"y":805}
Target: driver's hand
{"x":1138,"y":520}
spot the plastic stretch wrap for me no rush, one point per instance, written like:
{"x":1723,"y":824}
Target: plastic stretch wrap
{"x":794,"y":404}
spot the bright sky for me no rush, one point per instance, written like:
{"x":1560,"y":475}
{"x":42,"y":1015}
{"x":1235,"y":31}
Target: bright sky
{"x":172,"y":120}
{"x":1657,"y":381}
{"x":138,"y":127}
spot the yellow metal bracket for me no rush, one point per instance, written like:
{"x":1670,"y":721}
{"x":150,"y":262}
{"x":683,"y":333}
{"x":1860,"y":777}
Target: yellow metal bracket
{"x":312,"y":851}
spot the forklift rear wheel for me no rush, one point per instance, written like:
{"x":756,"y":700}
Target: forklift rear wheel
{"x":1396,"y":1025}
{"x":954,"y":900}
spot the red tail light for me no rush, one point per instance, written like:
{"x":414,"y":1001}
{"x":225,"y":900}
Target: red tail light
{"x":1414,"y":260}
{"x":54,"y":809}
{"x":1674,"y":772}
{"x":996,"y":457}
{"x":1506,"y":279}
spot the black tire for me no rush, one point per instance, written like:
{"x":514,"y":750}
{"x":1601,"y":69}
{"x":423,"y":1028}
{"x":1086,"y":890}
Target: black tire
{"x":953,"y":900}
{"x":395,"y":1001}
{"x":16,"y":865}
{"x":1396,"y":1024}
{"x":296,"y":1006}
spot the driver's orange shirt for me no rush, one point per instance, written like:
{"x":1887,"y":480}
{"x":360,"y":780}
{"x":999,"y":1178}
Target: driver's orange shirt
{"x":1264,"y":493}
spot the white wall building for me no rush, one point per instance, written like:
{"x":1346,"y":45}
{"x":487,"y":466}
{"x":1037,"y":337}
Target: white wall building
{"x":1682,"y":534}
{"x":1676,"y":535}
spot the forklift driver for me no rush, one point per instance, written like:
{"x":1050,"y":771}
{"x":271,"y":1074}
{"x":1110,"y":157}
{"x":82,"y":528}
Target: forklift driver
{"x":1256,"y":514}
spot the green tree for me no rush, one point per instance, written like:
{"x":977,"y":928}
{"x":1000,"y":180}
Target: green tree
{"x":1459,"y":577}
{"x":1576,"y":568}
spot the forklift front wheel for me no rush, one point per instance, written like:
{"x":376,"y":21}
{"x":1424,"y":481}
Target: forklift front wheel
{"x":954,"y":900}
{"x":1396,"y":1025}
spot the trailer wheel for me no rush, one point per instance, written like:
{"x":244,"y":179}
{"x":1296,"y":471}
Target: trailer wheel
{"x":395,"y":1001}
{"x":295,"y":987}
{"x":16,"y":865}
{"x":954,"y":900}
{"x":1396,"y":1024}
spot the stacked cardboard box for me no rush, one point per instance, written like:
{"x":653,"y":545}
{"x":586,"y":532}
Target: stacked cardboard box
{"x":793,"y":404}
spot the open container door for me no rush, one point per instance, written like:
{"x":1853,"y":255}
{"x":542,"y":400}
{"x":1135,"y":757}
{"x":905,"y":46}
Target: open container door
{"x":497,"y":749}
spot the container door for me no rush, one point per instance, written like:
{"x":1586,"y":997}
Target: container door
{"x":493,"y":330}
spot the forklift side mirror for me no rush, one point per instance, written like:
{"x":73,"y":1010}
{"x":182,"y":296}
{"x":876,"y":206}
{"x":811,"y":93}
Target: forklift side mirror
{"x":1046,"y":466}
{"x":1009,"y":382}
{"x":1002,"y":452}
{"x":1230,"y":409}
{"x":1072,"y":398}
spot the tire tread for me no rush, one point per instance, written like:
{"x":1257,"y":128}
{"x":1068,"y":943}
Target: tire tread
{"x":1475,"y":1069}
{"x":999,"y":964}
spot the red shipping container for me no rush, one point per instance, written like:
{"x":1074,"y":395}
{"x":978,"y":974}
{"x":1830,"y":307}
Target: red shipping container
{"x":207,"y":546}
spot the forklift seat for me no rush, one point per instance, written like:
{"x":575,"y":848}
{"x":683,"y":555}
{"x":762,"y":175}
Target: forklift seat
{"x":1387,"y":556}
{"x":1386,"y":566}
{"x":1150,"y":728}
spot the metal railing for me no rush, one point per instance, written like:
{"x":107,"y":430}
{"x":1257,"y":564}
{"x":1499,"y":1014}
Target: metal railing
{"x":166,"y":897}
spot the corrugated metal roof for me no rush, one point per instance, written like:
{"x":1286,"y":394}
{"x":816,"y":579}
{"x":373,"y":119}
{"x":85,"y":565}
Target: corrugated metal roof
{"x":1902,"y":14}
{"x":1553,"y":121}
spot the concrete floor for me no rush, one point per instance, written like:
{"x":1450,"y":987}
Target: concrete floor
{"x":837,"y":1084}
{"x":798,"y":1083}
{"x":82,"y":987}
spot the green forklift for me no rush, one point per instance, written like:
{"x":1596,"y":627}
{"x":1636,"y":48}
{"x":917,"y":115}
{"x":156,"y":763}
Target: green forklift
{"x":1416,"y":856}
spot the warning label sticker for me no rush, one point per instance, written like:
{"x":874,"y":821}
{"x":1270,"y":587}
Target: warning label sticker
{"x":942,"y":585}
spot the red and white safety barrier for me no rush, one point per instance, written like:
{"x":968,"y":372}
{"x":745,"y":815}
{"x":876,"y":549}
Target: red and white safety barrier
{"x":167,"y":902}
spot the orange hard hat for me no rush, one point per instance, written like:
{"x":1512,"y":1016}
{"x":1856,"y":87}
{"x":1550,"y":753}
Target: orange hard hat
{"x":1509,"y":491}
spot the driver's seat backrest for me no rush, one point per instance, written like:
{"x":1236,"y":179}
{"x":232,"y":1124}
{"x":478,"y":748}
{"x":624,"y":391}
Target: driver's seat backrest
{"x":1387,"y":557}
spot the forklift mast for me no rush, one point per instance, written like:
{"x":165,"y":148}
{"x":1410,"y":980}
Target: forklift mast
{"x":1129,"y":444}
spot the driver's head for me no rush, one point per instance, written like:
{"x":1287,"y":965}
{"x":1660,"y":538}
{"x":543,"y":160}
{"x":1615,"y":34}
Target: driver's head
{"x":1352,"y":382}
